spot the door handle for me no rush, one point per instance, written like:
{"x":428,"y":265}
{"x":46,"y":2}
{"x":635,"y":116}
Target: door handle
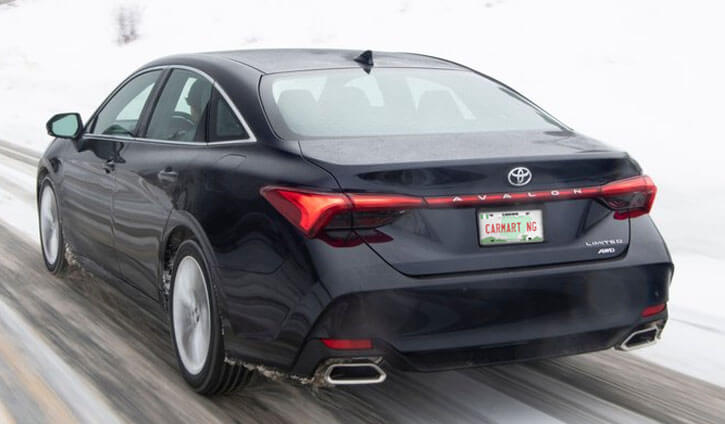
{"x":168,"y":175}
{"x":109,"y":166}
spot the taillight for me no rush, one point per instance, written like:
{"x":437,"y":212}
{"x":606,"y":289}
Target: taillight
{"x":653,"y":310}
{"x":309,"y":211}
{"x":630,"y":198}
{"x":312,"y":211}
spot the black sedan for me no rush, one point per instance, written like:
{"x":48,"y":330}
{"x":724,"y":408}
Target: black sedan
{"x":329,"y":214}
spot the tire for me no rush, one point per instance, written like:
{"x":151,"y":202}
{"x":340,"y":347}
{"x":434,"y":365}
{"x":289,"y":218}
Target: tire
{"x":195,"y":326}
{"x":52,"y":243}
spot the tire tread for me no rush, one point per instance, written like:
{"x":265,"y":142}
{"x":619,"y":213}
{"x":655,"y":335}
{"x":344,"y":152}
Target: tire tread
{"x":220,"y":376}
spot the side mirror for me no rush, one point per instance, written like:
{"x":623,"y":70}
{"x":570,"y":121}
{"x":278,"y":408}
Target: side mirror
{"x":65,"y":125}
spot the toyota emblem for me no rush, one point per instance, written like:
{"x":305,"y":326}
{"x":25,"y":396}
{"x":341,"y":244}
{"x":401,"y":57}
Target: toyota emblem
{"x":519,"y":176}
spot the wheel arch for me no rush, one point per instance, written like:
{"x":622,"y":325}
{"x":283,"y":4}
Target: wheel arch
{"x":42,"y":173}
{"x":182,"y":226}
{"x":45,"y":170}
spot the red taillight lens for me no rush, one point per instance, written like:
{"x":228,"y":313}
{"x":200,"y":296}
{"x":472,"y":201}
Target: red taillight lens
{"x":312,"y":211}
{"x":309,"y":211}
{"x":376,"y":210}
{"x":369,"y":202}
{"x":653,"y":310}
{"x":348,"y":344}
{"x":630,"y":198}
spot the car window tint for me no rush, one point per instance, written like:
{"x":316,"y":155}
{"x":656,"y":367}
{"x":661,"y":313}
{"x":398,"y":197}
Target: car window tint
{"x":394,"y":101}
{"x":224,"y":122}
{"x":180,"y":112}
{"x":422,"y":88}
{"x":121,"y":114}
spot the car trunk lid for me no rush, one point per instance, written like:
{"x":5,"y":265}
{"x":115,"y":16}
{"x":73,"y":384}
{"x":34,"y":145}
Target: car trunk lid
{"x":444,"y":237}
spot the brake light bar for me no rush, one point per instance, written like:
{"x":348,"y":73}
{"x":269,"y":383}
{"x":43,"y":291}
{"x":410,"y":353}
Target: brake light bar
{"x":369,"y":202}
{"x":313,"y":211}
{"x":503,"y":198}
{"x":629,"y":198}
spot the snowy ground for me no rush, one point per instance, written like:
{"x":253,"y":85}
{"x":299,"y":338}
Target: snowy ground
{"x":645,"y":76}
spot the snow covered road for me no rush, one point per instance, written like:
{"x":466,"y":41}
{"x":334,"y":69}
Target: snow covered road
{"x":76,"y":349}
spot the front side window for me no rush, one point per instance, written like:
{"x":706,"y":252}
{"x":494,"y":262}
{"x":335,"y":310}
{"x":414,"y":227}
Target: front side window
{"x":389,"y":101}
{"x":121,"y":114}
{"x":180,"y":112}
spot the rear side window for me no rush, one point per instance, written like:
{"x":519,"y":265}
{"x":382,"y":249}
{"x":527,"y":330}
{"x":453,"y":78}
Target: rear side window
{"x":121,"y":114}
{"x":180,"y":112}
{"x":224,"y":124}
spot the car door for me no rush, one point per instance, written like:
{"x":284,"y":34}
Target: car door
{"x":89,"y":182}
{"x":155,"y":174}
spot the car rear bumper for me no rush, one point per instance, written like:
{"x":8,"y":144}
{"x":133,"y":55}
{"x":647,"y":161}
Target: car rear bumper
{"x":472,"y":319}
{"x":494,"y":317}
{"x":315,"y":356}
{"x":493,"y":321}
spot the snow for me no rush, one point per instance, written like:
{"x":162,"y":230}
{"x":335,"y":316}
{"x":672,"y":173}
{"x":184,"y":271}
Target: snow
{"x":645,"y":76}
{"x":16,"y":201}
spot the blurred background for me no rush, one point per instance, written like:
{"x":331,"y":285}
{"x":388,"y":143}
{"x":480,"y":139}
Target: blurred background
{"x":645,"y":76}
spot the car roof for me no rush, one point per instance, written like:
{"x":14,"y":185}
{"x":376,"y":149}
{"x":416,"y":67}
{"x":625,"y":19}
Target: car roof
{"x":288,"y":60}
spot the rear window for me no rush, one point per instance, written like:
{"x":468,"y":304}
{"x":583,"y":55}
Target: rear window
{"x":388,"y":101}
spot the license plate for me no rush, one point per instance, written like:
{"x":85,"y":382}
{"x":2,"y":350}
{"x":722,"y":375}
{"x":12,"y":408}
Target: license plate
{"x":506,"y":227}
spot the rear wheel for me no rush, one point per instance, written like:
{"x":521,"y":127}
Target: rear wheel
{"x":196,"y":327}
{"x":51,"y":234}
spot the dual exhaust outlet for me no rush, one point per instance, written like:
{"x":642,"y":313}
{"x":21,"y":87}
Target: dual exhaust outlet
{"x":641,"y":338}
{"x":353,"y":372}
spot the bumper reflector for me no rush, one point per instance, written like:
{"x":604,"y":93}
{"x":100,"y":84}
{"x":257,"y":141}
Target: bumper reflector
{"x":653,"y":310}
{"x":348,"y":344}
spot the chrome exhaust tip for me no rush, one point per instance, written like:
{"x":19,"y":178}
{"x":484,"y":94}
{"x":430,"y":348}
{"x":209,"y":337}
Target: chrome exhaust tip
{"x":641,"y":338}
{"x":350,"y":373}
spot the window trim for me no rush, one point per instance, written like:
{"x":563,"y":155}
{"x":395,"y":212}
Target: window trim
{"x":151,"y":102}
